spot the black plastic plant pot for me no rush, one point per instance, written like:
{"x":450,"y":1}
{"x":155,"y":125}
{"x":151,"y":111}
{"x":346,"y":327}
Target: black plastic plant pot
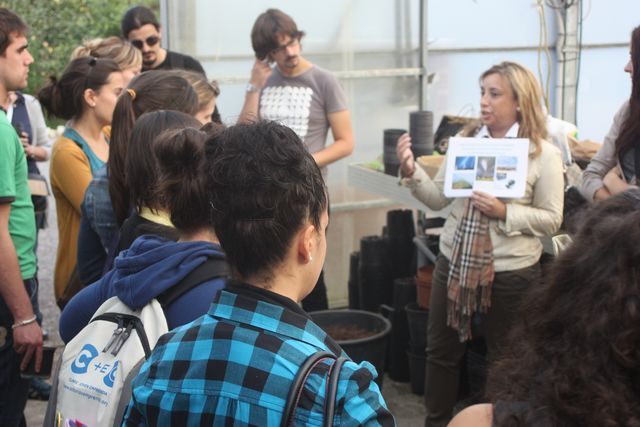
{"x":354,"y":292}
{"x":417,"y":318}
{"x":391,"y":136}
{"x":374,"y":273}
{"x":417,"y":366}
{"x":361,"y":334}
{"x":400,"y":224}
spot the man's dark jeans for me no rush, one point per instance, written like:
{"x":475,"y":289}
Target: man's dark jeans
{"x":13,"y":388}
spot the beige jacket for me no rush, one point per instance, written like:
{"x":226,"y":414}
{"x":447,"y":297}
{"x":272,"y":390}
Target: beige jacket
{"x":515,"y":240}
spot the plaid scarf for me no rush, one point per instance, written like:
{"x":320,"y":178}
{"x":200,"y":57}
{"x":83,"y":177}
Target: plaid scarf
{"x":471,"y":267}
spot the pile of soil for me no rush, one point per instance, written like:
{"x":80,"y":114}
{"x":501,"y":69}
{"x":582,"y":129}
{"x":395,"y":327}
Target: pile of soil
{"x":348,"y":332}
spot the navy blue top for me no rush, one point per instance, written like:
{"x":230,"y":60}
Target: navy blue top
{"x":141,"y":273}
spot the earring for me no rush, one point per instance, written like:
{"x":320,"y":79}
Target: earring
{"x":310,"y":258}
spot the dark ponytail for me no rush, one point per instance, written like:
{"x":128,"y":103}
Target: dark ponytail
{"x":149,"y":91}
{"x":49,"y":96}
{"x":64,"y":97}
{"x":141,"y":163}
{"x":181,"y":185}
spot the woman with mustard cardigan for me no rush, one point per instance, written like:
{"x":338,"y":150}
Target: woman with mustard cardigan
{"x":85,"y":96}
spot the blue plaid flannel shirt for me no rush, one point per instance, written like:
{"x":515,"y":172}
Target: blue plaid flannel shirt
{"x":235,"y":365}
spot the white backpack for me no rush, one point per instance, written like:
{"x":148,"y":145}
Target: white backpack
{"x":92,"y":384}
{"x":96,"y":363}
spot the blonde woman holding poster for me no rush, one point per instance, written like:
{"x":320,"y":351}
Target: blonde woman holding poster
{"x":489,"y":247}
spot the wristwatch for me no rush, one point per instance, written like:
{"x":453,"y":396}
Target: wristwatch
{"x":251,"y":88}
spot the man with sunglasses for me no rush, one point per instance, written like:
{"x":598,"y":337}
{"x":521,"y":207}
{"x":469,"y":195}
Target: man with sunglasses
{"x":141,"y":27}
{"x":300,"y":95}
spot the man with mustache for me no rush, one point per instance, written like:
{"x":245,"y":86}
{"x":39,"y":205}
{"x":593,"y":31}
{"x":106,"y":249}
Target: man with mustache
{"x":300,"y":95}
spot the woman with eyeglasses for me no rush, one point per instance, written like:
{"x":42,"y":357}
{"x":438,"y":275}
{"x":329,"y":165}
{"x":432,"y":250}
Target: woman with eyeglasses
{"x":85,"y":96}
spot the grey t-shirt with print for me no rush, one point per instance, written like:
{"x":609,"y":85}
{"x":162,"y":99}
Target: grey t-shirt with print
{"x":303,"y":103}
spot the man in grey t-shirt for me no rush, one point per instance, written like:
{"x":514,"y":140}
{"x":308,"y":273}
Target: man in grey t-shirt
{"x":296,"y":92}
{"x":300,"y":95}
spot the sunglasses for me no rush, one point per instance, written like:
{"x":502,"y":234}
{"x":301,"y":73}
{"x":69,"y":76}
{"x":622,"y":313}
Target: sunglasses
{"x":149,"y":41}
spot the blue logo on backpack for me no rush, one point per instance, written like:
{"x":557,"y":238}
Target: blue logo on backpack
{"x":86,"y":355}
{"x":111,"y":376}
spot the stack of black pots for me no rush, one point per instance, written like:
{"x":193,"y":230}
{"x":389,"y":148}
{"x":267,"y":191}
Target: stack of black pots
{"x":382,"y":279}
{"x":389,"y":157}
{"x":421,"y":131}
{"x":418,"y":319}
{"x":354,"y":291}
{"x":374,"y":273}
{"x":400,"y":231}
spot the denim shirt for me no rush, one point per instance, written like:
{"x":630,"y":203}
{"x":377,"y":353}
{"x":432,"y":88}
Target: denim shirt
{"x":97,"y":228}
{"x":97,"y":207}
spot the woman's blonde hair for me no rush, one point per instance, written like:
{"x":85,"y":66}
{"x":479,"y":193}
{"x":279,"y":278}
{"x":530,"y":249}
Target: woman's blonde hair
{"x":528,"y":95}
{"x":205,"y":89}
{"x":121,"y":51}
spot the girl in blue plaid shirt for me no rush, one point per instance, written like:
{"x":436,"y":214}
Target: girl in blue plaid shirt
{"x":235,"y":365}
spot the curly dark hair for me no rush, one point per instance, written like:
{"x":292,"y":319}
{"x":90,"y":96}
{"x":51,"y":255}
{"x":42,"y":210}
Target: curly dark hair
{"x":264,"y":185}
{"x":575,"y":357}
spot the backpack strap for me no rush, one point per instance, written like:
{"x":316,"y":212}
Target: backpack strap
{"x":127,"y":392}
{"x":298,"y":384}
{"x":332,"y":391}
{"x":301,"y":378}
{"x":212,"y":268}
{"x":52,"y":404}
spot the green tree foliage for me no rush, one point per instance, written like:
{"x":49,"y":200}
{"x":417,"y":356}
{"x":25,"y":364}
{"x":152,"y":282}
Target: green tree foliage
{"x":56,"y":27}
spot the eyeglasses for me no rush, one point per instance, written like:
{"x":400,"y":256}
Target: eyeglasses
{"x":293,"y":42}
{"x":149,"y":41}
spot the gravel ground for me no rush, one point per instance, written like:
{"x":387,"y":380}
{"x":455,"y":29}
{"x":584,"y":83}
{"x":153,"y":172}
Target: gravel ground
{"x":407,"y":407}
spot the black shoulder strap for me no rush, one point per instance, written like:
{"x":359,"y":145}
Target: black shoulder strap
{"x":210,"y":269}
{"x":301,"y":378}
{"x":332,"y":391}
{"x":298,"y":384}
